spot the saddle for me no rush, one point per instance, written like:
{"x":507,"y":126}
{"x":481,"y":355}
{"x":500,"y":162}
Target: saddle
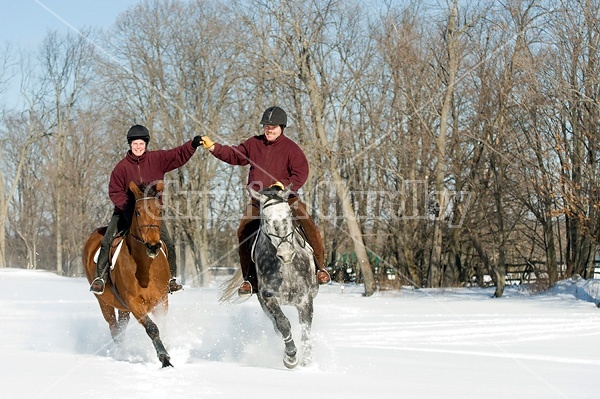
{"x":115,"y":247}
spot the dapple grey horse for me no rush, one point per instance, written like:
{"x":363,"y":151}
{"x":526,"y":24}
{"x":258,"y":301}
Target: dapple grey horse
{"x":285,"y":269}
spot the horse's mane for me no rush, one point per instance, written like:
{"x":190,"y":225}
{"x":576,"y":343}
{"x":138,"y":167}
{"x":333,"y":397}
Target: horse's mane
{"x":149,"y":190}
{"x":272,"y":192}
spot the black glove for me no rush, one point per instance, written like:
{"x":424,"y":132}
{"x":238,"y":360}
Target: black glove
{"x":196,"y":141}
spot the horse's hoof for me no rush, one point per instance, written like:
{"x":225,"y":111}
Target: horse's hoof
{"x":165,"y":360}
{"x":290,"y":361}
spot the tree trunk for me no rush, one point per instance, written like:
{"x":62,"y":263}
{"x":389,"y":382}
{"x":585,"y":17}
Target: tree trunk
{"x":355,"y":234}
{"x":435,"y":277}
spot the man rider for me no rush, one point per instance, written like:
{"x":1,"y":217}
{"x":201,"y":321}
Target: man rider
{"x":275,"y":160}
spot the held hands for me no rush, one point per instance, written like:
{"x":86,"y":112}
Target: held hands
{"x":204,"y":140}
{"x":207,"y":142}
{"x":196,"y":141}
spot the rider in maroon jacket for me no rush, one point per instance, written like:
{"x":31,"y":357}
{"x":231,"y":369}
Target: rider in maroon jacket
{"x":275,"y":160}
{"x":143,"y":167}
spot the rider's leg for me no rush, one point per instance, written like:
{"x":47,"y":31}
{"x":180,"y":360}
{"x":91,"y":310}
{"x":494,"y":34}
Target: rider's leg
{"x":165,"y":236}
{"x":97,"y":286}
{"x":312,"y":235}
{"x":246,"y":232}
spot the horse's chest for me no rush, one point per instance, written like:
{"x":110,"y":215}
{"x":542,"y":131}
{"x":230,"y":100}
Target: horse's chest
{"x":284,"y":281}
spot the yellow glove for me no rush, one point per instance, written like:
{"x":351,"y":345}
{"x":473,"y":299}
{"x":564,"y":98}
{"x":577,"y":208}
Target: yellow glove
{"x":278,"y":184}
{"x":207,"y":142}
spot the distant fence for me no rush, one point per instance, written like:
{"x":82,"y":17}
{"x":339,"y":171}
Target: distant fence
{"x":530,"y":272}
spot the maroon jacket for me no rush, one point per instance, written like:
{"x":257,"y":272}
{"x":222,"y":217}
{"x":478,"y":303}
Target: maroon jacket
{"x":281,"y":160}
{"x":145,"y":169}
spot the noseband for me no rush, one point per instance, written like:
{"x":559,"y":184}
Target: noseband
{"x":144,"y":226}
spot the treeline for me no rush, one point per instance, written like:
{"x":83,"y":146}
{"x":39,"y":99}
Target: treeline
{"x":447,"y":140}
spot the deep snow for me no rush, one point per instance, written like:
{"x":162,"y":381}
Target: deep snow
{"x":452,"y":343}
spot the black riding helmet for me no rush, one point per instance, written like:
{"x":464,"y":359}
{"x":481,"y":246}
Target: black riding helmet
{"x":137,"y":132}
{"x":274,"y":116}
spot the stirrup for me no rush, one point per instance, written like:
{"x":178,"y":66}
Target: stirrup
{"x":97,"y":286}
{"x":245,"y":289}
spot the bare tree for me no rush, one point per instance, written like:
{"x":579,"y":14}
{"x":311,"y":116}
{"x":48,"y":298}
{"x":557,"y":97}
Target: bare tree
{"x":294,"y":44}
{"x":18,"y":136}
{"x":176,"y":68}
{"x":19,"y":133}
{"x":66,"y":63}
{"x":405,"y":146}
{"x":574,"y":77}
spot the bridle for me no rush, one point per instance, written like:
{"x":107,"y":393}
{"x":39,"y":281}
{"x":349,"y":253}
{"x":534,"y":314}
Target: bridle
{"x":143,"y":226}
{"x":283,"y":239}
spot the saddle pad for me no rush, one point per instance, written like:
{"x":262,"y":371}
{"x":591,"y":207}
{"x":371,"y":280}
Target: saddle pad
{"x":114,"y":258}
{"x":116,"y":254}
{"x":97,"y":255}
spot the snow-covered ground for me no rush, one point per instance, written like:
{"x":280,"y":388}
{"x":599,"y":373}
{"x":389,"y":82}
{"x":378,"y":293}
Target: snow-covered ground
{"x":453,"y":343}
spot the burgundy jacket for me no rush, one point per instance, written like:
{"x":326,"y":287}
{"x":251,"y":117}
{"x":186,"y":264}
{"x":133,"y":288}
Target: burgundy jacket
{"x":282,"y":160}
{"x":145,"y":169}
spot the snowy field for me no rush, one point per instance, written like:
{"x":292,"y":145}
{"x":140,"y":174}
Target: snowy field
{"x":454,"y":343}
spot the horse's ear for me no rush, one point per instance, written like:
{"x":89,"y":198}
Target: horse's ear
{"x":160,"y":186}
{"x":135,"y":189}
{"x":285,"y":194}
{"x":256,"y":195}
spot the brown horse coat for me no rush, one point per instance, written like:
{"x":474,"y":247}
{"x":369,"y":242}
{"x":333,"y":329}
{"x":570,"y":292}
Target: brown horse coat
{"x":141,"y":271}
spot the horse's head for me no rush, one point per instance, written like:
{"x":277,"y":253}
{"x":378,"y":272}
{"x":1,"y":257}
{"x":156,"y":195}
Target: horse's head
{"x":277,"y":221}
{"x":147,"y":216}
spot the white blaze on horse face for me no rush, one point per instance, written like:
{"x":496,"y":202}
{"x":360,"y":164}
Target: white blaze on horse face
{"x":280,"y":230}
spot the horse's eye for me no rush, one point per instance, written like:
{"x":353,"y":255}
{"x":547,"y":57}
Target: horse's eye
{"x":137,"y":213}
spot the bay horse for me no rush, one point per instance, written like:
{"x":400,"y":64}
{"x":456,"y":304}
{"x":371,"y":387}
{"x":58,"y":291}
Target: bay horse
{"x":138,"y":279}
{"x":285,"y":269}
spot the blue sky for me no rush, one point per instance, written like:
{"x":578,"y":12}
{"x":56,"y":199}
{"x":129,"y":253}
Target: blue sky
{"x":24,"y":23}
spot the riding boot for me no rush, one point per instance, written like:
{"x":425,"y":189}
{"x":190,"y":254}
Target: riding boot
{"x":247,"y":230}
{"x":250,"y":283}
{"x":313,"y":237}
{"x":97,"y":286}
{"x":171,"y":258}
{"x":174,"y":286}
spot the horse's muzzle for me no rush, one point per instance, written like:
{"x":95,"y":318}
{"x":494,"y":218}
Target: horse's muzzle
{"x":152,"y":249}
{"x":286,"y":256}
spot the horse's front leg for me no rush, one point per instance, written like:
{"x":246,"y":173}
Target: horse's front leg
{"x":121,"y":325}
{"x":305,"y":316}
{"x":153,"y":333}
{"x":282,"y":324}
{"x":108,"y":312}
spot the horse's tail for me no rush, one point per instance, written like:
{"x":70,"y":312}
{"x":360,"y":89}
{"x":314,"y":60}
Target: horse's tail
{"x":229,"y":287}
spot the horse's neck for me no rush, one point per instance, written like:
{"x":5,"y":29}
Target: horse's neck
{"x":137,"y":249}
